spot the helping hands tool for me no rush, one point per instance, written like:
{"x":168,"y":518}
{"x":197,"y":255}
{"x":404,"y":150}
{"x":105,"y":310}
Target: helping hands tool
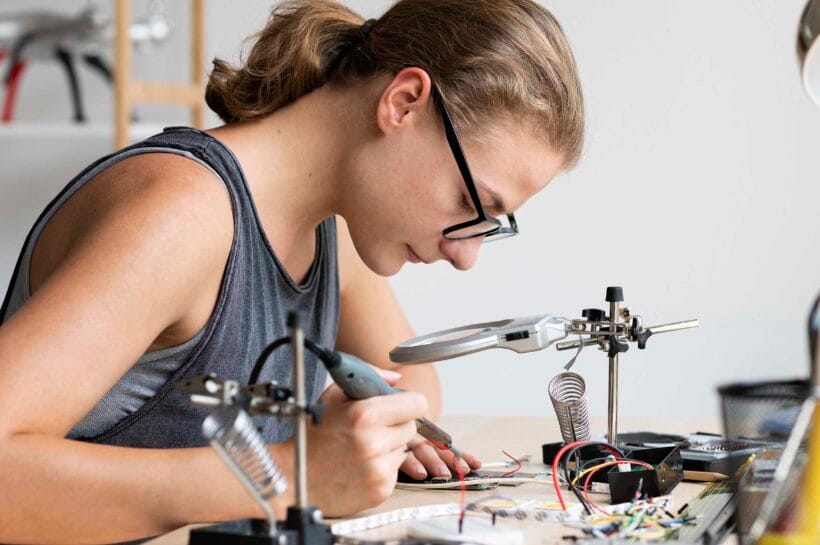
{"x":357,"y":379}
{"x":233,"y":435}
{"x":612,"y":333}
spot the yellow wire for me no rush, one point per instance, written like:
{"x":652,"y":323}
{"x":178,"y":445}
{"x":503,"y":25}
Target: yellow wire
{"x":593,"y":468}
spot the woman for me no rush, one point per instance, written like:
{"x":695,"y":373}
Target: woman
{"x":185,"y":252}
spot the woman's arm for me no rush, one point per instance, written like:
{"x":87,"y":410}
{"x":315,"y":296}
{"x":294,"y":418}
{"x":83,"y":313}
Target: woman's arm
{"x":372,"y":322}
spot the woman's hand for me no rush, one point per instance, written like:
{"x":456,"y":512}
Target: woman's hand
{"x":426,"y":460}
{"x":355,"y":452}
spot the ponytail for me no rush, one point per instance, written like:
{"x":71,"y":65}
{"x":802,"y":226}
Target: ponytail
{"x":292,"y":56}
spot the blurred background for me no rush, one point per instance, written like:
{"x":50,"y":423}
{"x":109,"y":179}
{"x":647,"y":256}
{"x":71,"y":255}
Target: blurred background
{"x":698,"y":193}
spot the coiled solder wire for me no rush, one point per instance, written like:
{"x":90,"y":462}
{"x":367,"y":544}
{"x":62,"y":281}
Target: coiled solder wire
{"x":567,"y":392}
{"x":234,"y":436}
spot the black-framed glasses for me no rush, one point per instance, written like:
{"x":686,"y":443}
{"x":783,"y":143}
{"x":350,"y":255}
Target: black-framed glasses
{"x":489,"y":227}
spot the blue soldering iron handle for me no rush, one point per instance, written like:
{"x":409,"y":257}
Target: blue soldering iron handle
{"x":358,"y":380}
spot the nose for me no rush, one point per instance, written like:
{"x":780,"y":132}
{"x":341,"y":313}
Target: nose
{"x":462,"y":254}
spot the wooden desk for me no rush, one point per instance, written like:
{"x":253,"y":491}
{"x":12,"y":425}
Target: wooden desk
{"x":486,"y":437}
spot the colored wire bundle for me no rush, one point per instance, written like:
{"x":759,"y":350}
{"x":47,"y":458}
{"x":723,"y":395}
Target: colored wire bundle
{"x":567,"y":453}
{"x":642,"y":520}
{"x":593,"y":470}
{"x":571,"y":449}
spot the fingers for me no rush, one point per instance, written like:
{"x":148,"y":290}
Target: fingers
{"x":391,"y":438}
{"x":390,"y":409}
{"x":440,"y":463}
{"x":471,"y":460}
{"x":413,"y":467}
{"x":450,"y":459}
{"x":430,"y":457}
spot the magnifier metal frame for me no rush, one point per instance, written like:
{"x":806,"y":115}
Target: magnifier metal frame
{"x":808,"y":49}
{"x":520,"y":335}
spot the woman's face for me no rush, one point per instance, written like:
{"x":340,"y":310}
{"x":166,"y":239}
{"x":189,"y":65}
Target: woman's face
{"x":410,"y":189}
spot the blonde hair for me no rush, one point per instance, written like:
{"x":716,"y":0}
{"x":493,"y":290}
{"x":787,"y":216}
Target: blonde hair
{"x":487,"y":58}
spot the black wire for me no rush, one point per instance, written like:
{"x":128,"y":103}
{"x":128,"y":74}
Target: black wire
{"x":328,"y":358}
{"x":566,"y":459}
{"x":572,"y":451}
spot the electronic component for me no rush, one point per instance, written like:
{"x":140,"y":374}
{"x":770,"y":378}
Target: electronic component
{"x":668,"y":472}
{"x":472,"y":530}
{"x":474,"y":480}
{"x":700,"y":451}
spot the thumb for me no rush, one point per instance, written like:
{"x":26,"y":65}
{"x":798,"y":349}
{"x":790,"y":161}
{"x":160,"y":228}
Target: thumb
{"x":391,"y":377}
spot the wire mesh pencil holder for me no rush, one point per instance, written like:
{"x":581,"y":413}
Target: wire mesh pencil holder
{"x":781,"y":519}
{"x":764,"y":412}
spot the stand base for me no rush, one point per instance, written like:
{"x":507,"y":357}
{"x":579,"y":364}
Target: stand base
{"x":299,"y":529}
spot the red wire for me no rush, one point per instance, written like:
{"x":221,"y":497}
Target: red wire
{"x":602,"y":466}
{"x":462,"y":486}
{"x":462,"y":490}
{"x":11,"y":91}
{"x":514,"y":459}
{"x":557,"y":459}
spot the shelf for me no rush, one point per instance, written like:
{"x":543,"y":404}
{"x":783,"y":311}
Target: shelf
{"x":67,"y":129}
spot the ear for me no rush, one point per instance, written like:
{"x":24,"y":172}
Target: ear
{"x":405,"y":100}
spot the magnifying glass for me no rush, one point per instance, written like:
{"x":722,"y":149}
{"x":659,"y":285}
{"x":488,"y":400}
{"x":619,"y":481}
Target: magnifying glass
{"x":520,"y":335}
{"x":808,"y":49}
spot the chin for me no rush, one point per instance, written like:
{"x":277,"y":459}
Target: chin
{"x":383,"y":265}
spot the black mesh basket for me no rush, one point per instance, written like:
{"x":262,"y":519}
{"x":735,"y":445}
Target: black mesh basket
{"x":762,"y":410}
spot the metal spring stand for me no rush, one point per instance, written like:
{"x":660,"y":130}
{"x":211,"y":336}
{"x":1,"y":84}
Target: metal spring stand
{"x":612,"y":333}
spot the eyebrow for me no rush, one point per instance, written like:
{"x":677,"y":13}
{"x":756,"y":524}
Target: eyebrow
{"x":498,"y":202}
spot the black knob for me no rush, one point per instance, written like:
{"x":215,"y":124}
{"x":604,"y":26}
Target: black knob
{"x":634,"y":327}
{"x":616,"y":346}
{"x":614,"y":294}
{"x":593,"y":314}
{"x":296,"y":319}
{"x":643,"y":336}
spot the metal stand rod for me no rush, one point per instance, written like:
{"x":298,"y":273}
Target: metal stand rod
{"x":297,"y":336}
{"x":612,"y":406}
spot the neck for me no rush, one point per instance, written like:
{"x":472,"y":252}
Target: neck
{"x":294,"y":161}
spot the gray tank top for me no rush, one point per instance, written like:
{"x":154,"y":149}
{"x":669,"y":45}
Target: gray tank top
{"x":142,"y":409}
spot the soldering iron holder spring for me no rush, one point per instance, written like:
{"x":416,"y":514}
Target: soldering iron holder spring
{"x":567,"y":392}
{"x":232,"y":433}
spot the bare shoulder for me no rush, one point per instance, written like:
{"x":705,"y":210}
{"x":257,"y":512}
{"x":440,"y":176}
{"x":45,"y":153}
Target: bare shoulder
{"x":133,"y":260}
{"x":137,"y":202}
{"x":164,"y":179}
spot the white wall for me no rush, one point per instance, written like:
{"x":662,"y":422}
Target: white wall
{"x":698,"y":193}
